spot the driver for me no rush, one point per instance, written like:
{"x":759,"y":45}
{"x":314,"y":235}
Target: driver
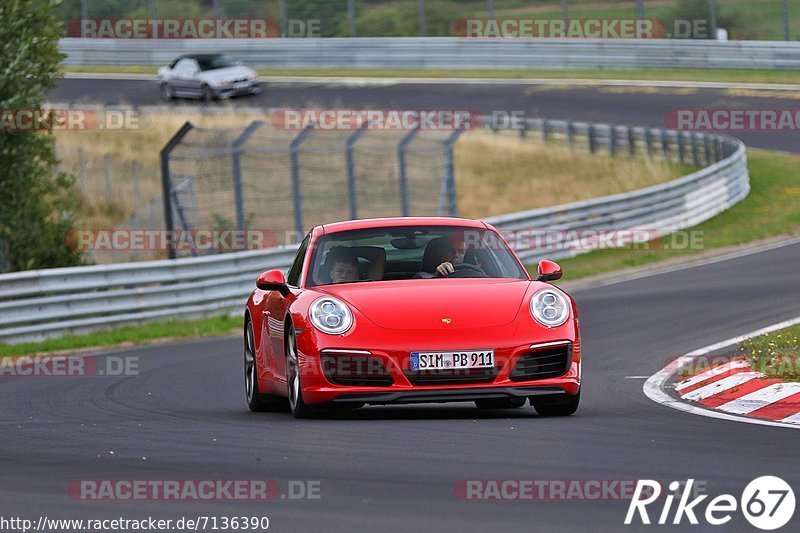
{"x":451,"y":253}
{"x":446,"y":253}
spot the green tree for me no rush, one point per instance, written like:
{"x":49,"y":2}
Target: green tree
{"x":36,"y":201}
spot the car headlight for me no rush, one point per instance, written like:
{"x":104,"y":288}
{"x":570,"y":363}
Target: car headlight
{"x":329,"y":315}
{"x":549,"y":307}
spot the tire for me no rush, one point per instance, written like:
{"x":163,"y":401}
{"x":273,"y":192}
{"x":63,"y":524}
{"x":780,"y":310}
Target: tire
{"x":206,"y":93}
{"x":167,"y":93}
{"x":556,"y":407}
{"x":500,"y":403}
{"x":256,"y":400}
{"x":294,"y":386}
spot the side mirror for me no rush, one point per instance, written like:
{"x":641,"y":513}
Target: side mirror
{"x":548,"y":271}
{"x":273,"y":280}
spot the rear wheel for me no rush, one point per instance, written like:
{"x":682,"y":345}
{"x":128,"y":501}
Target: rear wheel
{"x":256,"y":401}
{"x":297,"y":406}
{"x":560,"y":406}
{"x":500,"y":403}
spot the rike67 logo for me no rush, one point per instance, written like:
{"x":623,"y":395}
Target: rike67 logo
{"x":767,"y":503}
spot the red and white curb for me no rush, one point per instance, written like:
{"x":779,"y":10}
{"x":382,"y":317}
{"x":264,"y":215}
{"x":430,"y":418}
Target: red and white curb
{"x":729,"y":391}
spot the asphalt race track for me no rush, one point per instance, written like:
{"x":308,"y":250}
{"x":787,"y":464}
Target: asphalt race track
{"x":394,"y":468}
{"x":635,"y":105}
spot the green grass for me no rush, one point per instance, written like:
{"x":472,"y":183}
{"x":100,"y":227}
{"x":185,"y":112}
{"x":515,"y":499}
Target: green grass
{"x":708,"y":75}
{"x":771,"y":209}
{"x":205,"y":327}
{"x":776,"y":355}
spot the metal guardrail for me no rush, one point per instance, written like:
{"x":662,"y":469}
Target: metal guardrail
{"x":445,"y":53}
{"x":53,"y":302}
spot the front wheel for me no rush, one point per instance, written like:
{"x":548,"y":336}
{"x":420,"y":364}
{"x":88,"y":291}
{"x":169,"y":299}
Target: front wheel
{"x":297,"y":406}
{"x":167,"y":93}
{"x":556,"y":407}
{"x":256,"y":401}
{"x":207,"y":93}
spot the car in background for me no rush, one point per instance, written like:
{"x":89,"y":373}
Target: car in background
{"x":367,"y":314}
{"x":207,"y":76}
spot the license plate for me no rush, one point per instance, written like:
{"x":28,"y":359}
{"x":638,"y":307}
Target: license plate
{"x":452,"y":360}
{"x":241,"y":85}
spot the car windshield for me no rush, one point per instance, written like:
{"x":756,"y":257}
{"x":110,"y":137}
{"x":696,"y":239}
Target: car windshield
{"x":382,"y":254}
{"x":215,"y":62}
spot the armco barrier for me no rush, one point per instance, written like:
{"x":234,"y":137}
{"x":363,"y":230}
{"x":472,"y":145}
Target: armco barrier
{"x":45,"y":303}
{"x":445,"y":53}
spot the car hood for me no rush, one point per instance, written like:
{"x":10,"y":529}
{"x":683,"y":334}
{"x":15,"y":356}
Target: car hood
{"x":428,"y":303}
{"x":219,"y":75}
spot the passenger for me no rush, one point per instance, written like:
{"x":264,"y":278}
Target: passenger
{"x":344,"y":268}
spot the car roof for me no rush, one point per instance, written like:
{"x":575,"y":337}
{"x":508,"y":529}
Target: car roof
{"x":368,"y":223}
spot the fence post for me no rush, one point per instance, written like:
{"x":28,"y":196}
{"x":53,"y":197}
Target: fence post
{"x":631,"y":141}
{"x":107,"y":175}
{"x":136,"y":170}
{"x":423,"y":25}
{"x":284,"y":18}
{"x":5,"y":264}
{"x":82,"y":166}
{"x":648,"y":141}
{"x":712,"y":14}
{"x":401,"y":159}
{"x":351,"y":169}
{"x":570,"y":134}
{"x":681,"y":148}
{"x":236,"y":162}
{"x":592,"y":138}
{"x":166,"y":185}
{"x":545,"y":130}
{"x":665,"y":143}
{"x":695,"y":155}
{"x":612,"y":139}
{"x":707,"y":148}
{"x":294,"y":150}
{"x":351,"y":17}
{"x":785,"y":10}
{"x":449,"y":178}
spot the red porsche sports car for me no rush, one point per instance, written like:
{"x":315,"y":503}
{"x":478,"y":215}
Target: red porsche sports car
{"x":408,"y":310}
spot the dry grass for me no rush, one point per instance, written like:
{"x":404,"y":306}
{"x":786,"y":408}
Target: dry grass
{"x":501,"y":173}
{"x":142,"y":145}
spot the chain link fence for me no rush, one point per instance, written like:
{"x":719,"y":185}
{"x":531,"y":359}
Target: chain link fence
{"x":281,"y":182}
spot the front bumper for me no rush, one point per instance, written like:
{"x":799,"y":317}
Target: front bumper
{"x":446,"y":395}
{"x":230,"y":90}
{"x":392,"y":382}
